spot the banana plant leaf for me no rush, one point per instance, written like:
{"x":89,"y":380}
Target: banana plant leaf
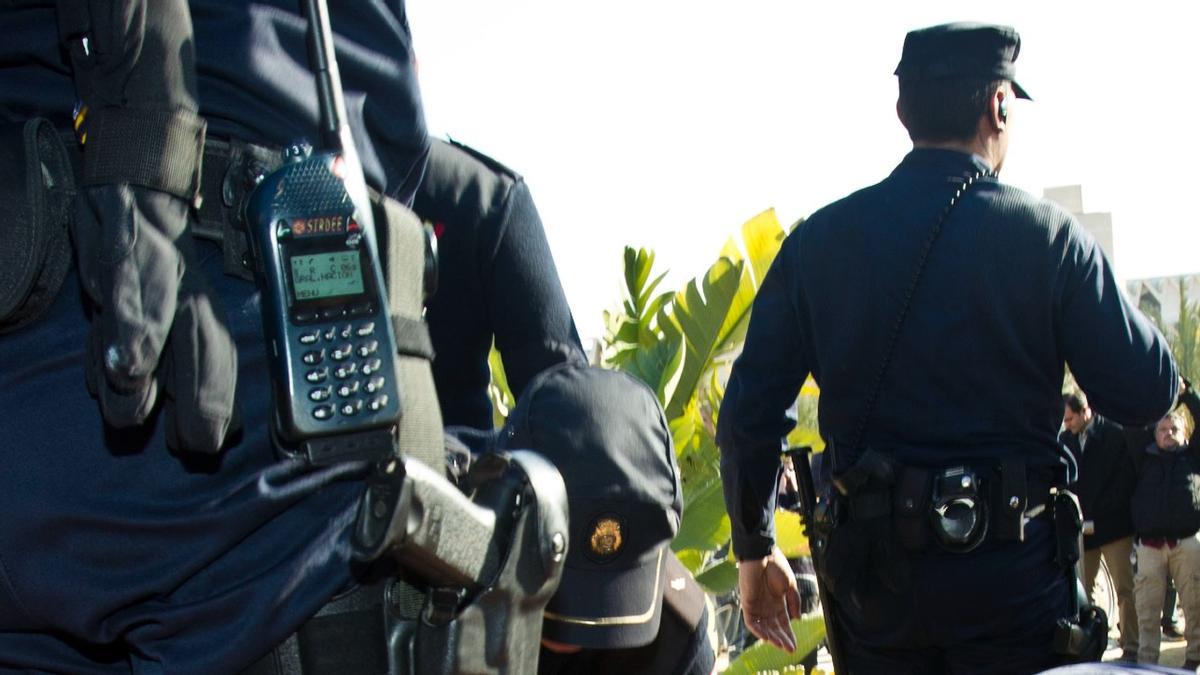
{"x":767,"y":658}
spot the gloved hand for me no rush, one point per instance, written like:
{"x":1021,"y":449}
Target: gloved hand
{"x":156,"y":326}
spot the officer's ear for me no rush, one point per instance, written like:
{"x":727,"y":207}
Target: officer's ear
{"x":998,"y":109}
{"x":900,"y":114}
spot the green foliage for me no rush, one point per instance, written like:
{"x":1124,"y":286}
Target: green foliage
{"x":682,"y":344}
{"x":1184,"y":336}
{"x":763,"y":657}
{"x":498,"y":389}
{"x":1185,"y":339}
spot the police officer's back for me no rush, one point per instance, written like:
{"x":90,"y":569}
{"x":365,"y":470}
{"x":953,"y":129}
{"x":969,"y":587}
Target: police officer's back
{"x":960,"y":369}
{"x":120,"y":554}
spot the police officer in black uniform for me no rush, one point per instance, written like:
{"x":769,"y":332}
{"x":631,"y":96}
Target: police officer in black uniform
{"x":147,"y":533}
{"x":497,"y":280}
{"x":940,"y":358}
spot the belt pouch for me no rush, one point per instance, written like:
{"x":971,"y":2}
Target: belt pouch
{"x":36,"y":189}
{"x":911,"y":507}
{"x":1010,"y":502}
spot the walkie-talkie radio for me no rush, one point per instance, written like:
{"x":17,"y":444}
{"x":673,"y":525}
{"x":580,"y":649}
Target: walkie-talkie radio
{"x":325,"y":309}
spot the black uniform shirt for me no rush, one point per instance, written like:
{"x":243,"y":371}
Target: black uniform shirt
{"x":496,"y":279}
{"x":1012,"y":288}
{"x":254,"y":80}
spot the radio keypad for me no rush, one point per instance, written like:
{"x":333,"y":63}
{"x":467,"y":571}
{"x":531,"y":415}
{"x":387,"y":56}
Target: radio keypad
{"x":351,"y":346}
{"x":373,"y":385}
{"x":378,"y":403}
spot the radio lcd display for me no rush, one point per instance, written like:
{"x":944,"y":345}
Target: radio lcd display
{"x":326,"y":275}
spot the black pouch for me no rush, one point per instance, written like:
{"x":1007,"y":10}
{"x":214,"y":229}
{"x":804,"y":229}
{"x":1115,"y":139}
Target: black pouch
{"x":36,"y":188}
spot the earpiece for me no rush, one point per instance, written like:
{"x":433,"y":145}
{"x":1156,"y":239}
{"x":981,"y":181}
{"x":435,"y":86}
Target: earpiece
{"x":1003,"y":110}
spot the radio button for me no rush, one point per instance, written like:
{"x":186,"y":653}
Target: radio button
{"x":346,"y":370}
{"x":351,"y":408}
{"x":305,"y":317}
{"x":331,"y":334}
{"x":341,"y":353}
{"x":310,"y":337}
{"x":313,"y":357}
{"x":332,"y":313}
{"x":347,"y":331}
{"x":348,"y":389}
{"x":361,"y":309}
{"x":366,"y":329}
{"x":371,"y":366}
{"x":319,"y":394}
{"x":373,"y":385}
{"x":323,"y":412}
{"x":378,"y":403}
{"x":368,"y":348}
{"x":317,"y":375}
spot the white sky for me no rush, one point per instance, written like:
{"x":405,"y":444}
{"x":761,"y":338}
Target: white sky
{"x":668,"y":123}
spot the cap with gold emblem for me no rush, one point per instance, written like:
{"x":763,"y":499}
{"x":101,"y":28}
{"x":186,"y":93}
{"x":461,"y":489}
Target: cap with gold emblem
{"x":607,"y":434}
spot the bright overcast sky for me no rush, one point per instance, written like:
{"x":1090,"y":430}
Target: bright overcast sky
{"x":667,"y":123}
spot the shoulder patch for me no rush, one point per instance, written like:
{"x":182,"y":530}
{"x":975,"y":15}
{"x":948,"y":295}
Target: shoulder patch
{"x":486,"y":160}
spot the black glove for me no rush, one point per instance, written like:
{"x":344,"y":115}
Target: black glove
{"x":155,"y":325}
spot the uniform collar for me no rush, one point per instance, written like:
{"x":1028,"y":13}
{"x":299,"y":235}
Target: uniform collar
{"x":949,"y":162}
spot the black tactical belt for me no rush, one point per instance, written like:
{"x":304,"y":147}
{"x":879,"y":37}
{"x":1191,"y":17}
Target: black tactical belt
{"x":231,"y":169}
{"x":347,"y":635}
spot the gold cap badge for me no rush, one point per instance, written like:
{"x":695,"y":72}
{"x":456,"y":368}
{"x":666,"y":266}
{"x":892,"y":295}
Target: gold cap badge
{"x":606,"y":537}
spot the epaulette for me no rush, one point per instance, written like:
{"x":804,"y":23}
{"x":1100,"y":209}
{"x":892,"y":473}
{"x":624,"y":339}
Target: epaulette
{"x":487,"y":161}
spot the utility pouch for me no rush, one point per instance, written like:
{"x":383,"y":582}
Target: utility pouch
{"x":911,"y":507}
{"x":36,"y":188}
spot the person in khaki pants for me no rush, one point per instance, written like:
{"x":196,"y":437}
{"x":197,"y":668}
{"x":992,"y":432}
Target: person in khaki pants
{"x":1166,"y":517}
{"x":1105,"y":489}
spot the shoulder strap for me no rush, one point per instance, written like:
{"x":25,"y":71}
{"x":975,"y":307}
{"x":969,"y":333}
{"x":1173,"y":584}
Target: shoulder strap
{"x":877,"y":385}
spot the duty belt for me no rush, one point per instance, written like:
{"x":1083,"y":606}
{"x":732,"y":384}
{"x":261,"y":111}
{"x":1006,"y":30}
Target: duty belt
{"x":230,"y":171}
{"x":347,"y":635}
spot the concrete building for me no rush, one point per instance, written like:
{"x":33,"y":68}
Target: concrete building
{"x":1070,"y":197}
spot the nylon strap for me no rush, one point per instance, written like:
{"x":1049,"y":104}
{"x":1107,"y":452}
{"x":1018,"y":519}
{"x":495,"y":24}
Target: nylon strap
{"x":158,"y":149}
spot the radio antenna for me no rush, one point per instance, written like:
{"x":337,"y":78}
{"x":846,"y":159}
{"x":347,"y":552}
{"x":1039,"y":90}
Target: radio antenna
{"x":331,"y":105}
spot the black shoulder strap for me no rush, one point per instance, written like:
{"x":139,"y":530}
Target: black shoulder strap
{"x":877,"y":385}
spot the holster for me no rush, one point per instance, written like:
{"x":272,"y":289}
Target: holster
{"x":1082,"y":635}
{"x":37,"y":188}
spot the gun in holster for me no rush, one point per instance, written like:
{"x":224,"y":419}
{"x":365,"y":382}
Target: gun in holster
{"x":822,"y":513}
{"x":1082,"y":635}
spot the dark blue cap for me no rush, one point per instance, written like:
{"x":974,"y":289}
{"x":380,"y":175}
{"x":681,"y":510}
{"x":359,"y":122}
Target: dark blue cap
{"x":961,"y":50}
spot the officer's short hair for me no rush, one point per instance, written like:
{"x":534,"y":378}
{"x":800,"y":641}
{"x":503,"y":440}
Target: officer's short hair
{"x":945,"y":109}
{"x":1076,"y":401}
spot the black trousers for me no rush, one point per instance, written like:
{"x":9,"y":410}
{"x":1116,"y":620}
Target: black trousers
{"x":989,"y":611}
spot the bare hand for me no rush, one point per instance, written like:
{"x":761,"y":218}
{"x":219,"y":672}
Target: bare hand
{"x":770,"y":598}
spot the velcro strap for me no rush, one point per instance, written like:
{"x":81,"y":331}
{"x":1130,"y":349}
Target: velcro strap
{"x":412,"y":337}
{"x":158,"y":149}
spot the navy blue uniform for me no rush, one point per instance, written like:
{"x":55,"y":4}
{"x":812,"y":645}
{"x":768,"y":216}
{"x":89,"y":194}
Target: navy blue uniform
{"x":1012,"y":289}
{"x":497,"y":281}
{"x":253,"y":78}
{"x":116,"y":555}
